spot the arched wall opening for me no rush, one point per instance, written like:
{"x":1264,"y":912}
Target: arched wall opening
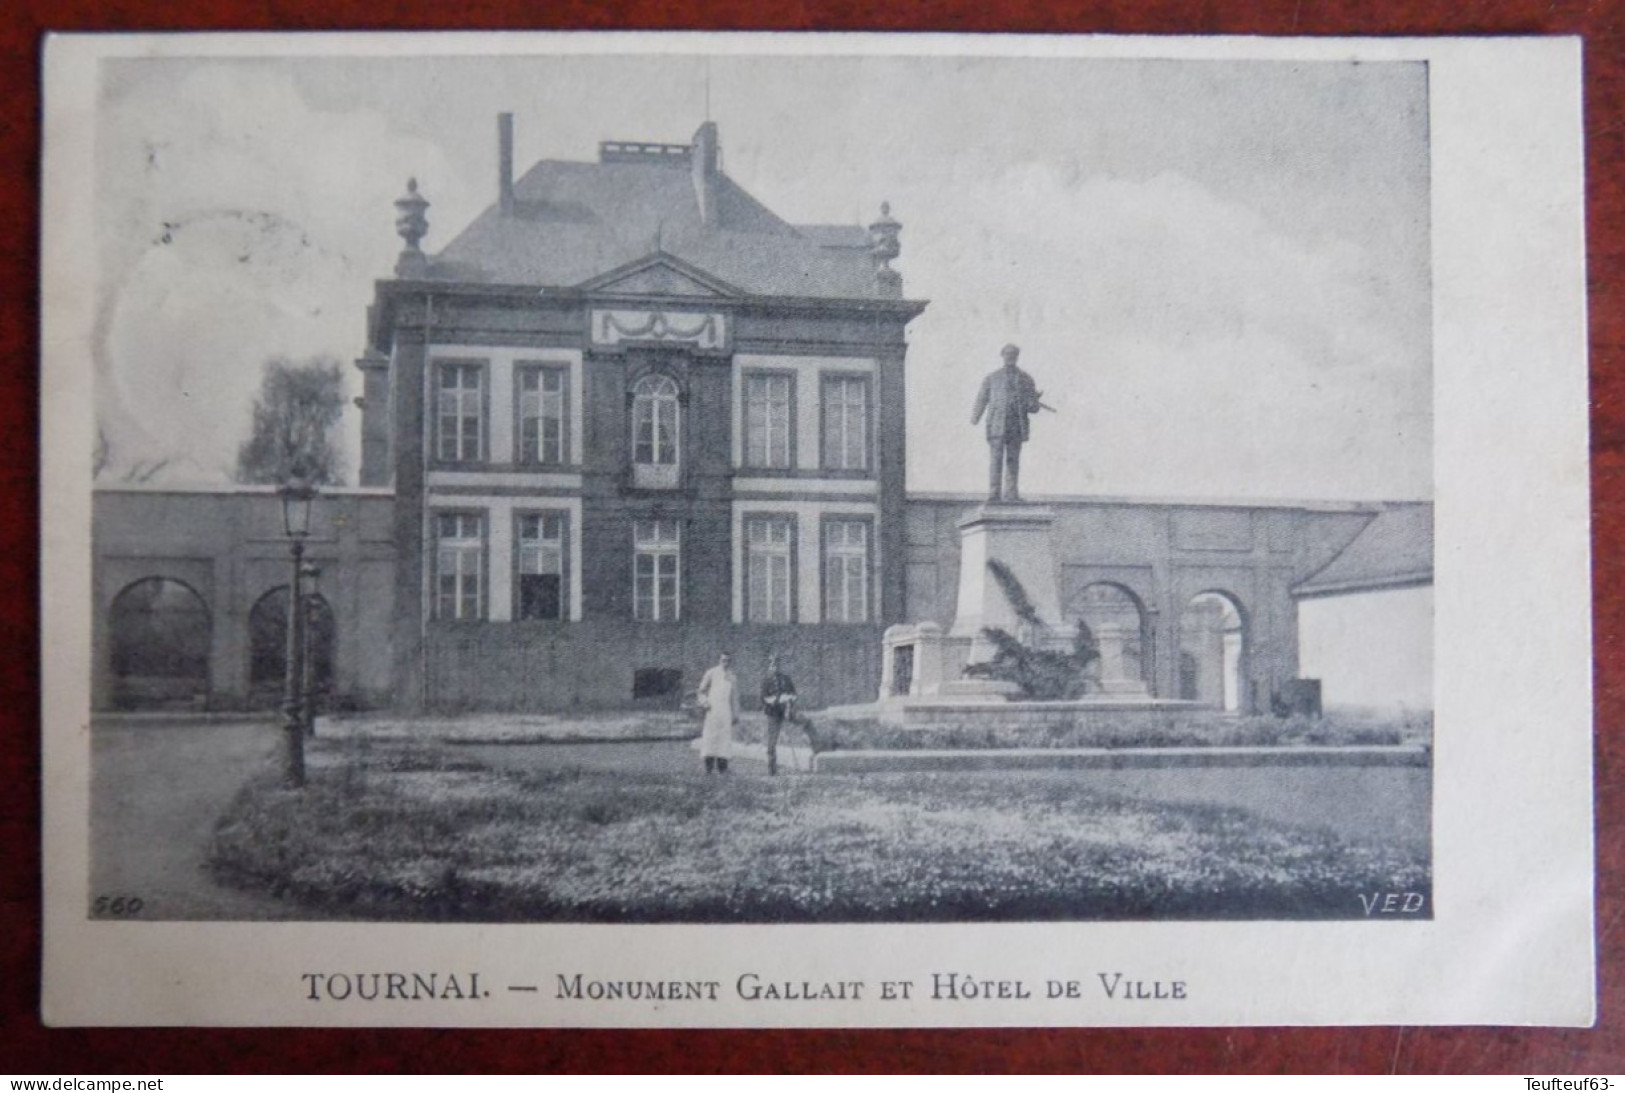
{"x":159,"y":634}
{"x":1213,"y":652}
{"x":268,"y":648}
{"x":1118,"y":622}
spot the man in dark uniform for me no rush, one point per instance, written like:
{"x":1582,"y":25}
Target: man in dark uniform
{"x":778,"y":700}
{"x":1009,"y":397}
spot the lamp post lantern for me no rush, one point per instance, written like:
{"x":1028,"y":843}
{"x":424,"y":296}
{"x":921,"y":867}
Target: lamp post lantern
{"x":296,"y":502}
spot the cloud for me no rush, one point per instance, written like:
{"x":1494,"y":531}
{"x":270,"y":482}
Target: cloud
{"x":194,"y":320}
{"x":1197,"y":335}
{"x":239,"y":223}
{"x":1192,"y":344}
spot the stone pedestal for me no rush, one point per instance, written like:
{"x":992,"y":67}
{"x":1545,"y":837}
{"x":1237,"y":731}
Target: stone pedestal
{"x":911,"y":662}
{"x":1111,"y":673}
{"x":1019,"y":536}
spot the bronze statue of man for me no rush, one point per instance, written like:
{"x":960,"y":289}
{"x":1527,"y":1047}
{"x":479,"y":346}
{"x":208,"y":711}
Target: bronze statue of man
{"x":1009,"y":398}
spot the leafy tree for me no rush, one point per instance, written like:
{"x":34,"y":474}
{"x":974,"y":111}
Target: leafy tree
{"x":1044,"y":674}
{"x":295,"y":431}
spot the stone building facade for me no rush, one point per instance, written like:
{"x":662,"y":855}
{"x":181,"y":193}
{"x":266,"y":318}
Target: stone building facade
{"x":629,"y":418}
{"x":1187,"y":600}
{"x":632,"y":418}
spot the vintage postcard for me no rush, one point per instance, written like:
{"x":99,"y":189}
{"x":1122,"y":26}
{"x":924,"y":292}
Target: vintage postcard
{"x":764,"y":530}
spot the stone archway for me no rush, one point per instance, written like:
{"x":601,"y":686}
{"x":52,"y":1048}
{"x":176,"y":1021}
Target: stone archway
{"x":159,"y":635}
{"x":1117,"y":620}
{"x":1213,"y":652}
{"x":268,"y":648}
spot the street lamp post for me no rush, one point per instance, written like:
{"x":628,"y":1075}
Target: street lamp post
{"x":307,"y":652}
{"x":296,"y":500}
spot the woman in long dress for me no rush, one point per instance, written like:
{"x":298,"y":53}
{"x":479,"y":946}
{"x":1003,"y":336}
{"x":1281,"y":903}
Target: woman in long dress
{"x":719,"y":692}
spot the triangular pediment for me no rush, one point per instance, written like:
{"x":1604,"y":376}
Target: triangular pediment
{"x":660,"y":274}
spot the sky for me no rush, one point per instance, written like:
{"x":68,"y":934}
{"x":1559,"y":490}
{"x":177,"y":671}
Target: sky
{"x":1217,"y":271}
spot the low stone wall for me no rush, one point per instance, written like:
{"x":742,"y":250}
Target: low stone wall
{"x":1102,"y":714}
{"x":856,"y":762}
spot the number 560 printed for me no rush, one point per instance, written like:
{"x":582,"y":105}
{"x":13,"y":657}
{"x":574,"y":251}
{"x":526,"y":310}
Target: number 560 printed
{"x":116,"y":906}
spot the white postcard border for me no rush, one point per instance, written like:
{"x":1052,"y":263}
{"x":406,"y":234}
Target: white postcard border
{"x":1511,"y":942}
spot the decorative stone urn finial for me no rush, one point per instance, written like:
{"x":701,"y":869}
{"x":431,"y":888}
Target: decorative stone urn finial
{"x":411,"y":225}
{"x":885,"y":247}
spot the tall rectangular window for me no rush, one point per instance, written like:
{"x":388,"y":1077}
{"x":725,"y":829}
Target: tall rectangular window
{"x":459,"y":565}
{"x":539,"y":583}
{"x":656,"y":565}
{"x":543,"y":410}
{"x":768,"y":398}
{"x":846,"y":423}
{"x":769,"y":568}
{"x":459,"y":411}
{"x":846,"y":571}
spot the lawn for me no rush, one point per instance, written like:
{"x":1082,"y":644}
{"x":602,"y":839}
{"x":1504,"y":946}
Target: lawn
{"x":400,"y":831}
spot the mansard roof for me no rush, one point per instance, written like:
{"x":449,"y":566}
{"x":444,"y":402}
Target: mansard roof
{"x":573,"y":223}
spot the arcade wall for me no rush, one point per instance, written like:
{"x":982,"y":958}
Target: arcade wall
{"x":1147,"y":560}
{"x":1156,"y":558}
{"x":227,"y":549}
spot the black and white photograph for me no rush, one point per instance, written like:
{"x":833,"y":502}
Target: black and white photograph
{"x":589,"y":483}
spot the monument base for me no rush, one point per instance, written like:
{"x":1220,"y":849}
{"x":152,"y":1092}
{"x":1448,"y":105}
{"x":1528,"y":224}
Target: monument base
{"x":1117,"y":713}
{"x":1007,"y":552}
{"x":1126,"y":688}
{"x":1019,"y":539}
{"x":975,"y":687}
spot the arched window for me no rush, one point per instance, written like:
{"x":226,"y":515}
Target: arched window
{"x":1213,"y":652}
{"x":655,"y":432}
{"x":159,"y":646}
{"x":268,"y":647}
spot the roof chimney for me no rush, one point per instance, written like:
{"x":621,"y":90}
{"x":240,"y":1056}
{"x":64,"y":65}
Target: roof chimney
{"x":505,"y":200}
{"x":703,"y":163}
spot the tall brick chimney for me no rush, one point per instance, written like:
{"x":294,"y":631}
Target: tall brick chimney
{"x":505,"y":201}
{"x":703,"y":164}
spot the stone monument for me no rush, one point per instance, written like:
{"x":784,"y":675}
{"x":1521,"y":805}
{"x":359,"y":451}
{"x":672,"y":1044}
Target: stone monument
{"x":921,"y":659}
{"x":1008,"y":397}
{"x":923,"y":682}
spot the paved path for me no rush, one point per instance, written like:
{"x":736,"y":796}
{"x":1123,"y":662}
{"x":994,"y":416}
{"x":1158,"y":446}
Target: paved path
{"x":157,"y":789}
